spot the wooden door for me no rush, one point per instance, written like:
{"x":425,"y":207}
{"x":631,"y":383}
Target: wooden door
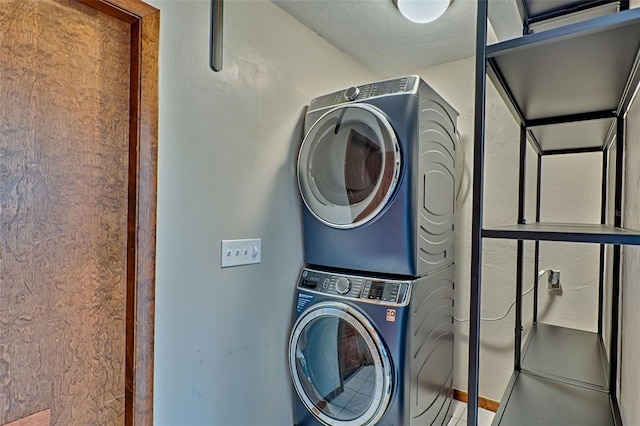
{"x":78,"y":150}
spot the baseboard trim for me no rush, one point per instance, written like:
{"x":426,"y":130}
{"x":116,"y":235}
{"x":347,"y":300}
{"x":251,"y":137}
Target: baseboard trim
{"x":486,"y":403}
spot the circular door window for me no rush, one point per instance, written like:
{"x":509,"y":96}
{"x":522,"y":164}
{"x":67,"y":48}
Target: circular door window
{"x":349,"y":165}
{"x":339,"y":366}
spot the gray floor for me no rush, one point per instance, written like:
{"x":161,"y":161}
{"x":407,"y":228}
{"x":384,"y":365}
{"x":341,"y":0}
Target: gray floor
{"x":485,"y":417}
{"x":358,"y":390}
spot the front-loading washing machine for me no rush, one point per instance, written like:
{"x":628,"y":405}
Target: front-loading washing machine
{"x":367,"y":350}
{"x":376,"y":172}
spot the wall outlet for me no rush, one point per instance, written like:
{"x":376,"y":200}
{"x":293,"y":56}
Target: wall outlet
{"x":553,"y":282}
{"x":240,"y":252}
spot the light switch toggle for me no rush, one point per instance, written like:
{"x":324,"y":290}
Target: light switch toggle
{"x":240,"y":252}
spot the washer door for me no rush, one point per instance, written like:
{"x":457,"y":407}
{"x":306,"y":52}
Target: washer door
{"x":349,"y":165}
{"x":339,"y":366}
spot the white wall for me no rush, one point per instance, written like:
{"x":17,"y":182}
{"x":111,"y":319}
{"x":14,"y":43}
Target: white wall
{"x":227,"y":151}
{"x":571,"y":191}
{"x":570,"y":185}
{"x":630,"y":339}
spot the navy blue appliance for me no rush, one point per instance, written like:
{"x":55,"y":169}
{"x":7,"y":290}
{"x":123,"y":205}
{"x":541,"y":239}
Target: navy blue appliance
{"x":372,"y":350}
{"x":376,"y":172}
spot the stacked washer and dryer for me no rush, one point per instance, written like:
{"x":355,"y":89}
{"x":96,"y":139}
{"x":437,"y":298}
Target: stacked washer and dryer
{"x":372,"y":339}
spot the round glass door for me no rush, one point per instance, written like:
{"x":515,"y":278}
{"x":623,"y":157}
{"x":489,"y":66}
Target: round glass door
{"x":340,"y":368}
{"x":349,"y":165}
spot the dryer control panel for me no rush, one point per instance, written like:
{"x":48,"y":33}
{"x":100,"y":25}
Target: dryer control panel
{"x":373,"y":290}
{"x":407,"y":84}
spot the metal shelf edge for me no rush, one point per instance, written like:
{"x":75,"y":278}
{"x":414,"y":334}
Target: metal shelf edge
{"x":504,"y":402}
{"x":595,"y":25}
{"x":599,"y":234}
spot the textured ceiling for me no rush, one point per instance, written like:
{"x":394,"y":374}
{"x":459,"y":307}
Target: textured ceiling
{"x":373,"y":32}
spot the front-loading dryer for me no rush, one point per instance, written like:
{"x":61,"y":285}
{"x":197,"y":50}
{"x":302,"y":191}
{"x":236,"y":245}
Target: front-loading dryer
{"x":367,"y":350}
{"x":376,"y":172}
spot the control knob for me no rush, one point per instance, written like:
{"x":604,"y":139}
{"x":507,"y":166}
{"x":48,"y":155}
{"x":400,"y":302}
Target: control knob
{"x":343,"y":285}
{"x":351,"y":93}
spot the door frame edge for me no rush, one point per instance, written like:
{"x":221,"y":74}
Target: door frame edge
{"x":142,"y":202}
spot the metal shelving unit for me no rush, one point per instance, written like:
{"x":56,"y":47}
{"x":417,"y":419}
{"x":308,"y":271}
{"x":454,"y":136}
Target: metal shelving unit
{"x":569,"y":88}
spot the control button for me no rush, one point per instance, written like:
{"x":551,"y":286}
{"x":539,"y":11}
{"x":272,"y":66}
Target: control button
{"x":325,"y":283}
{"x":351,"y":93}
{"x":343,"y":285}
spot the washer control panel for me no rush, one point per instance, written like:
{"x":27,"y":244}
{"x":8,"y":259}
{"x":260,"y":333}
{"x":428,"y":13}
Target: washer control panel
{"x":374,"y":290}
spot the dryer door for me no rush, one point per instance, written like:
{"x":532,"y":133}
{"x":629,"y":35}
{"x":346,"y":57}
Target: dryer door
{"x":339,"y":366}
{"x":349,"y":165}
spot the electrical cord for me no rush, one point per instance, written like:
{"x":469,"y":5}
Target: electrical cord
{"x":540,"y":274}
{"x":459,"y":176}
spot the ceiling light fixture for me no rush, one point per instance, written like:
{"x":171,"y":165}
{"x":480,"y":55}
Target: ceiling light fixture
{"x":422,"y":11}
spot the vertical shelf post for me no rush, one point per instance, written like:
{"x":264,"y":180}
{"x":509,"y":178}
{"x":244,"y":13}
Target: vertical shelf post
{"x":536,"y":259}
{"x":476,"y":226}
{"x":603,"y":247}
{"x":617,"y":272}
{"x":517,"y":357}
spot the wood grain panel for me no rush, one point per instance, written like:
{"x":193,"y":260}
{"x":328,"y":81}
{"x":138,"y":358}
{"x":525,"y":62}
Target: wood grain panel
{"x":146,"y":195}
{"x":43,"y":418}
{"x":130,"y":11}
{"x":64,"y":144}
{"x":486,"y":403}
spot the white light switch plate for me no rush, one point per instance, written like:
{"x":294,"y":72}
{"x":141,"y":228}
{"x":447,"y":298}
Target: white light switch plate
{"x":240,"y":252}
